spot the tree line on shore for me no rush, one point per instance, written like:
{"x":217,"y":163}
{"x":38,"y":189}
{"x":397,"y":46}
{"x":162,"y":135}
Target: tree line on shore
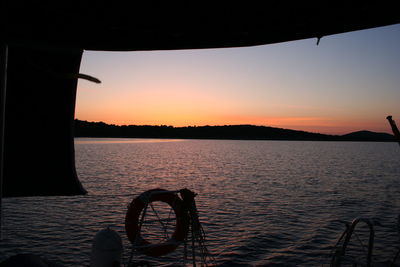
{"x":237,"y":132}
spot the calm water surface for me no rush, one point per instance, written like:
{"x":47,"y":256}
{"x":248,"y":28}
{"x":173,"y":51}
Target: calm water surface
{"x":262,"y":203}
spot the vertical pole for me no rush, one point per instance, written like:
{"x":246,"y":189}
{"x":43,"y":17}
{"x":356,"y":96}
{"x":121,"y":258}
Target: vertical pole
{"x":193,"y":244}
{"x":395,"y":130}
{"x":3,"y":86}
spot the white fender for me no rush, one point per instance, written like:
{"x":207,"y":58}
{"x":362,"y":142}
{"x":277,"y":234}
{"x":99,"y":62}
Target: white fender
{"x":106,"y":249}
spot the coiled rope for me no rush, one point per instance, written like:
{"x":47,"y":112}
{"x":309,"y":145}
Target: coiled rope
{"x":187,"y":219}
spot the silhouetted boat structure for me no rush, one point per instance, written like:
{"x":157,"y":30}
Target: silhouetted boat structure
{"x":395,"y":130}
{"x":42,"y":44}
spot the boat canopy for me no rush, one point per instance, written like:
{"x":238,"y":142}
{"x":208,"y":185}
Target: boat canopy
{"x":160,"y":25}
{"x":42,"y":43}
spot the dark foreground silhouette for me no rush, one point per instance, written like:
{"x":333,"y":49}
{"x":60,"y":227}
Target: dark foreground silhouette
{"x":237,"y":132}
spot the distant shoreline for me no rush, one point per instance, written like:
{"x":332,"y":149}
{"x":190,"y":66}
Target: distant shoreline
{"x":226,"y":132}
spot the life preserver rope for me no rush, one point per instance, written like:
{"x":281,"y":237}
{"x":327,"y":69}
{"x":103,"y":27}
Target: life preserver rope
{"x":133,"y":223}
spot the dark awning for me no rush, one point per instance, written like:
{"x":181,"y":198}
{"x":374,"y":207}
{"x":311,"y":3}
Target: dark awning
{"x":153,"y":25}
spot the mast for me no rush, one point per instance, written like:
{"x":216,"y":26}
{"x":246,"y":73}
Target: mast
{"x":394,"y":128}
{"x":3,"y":85}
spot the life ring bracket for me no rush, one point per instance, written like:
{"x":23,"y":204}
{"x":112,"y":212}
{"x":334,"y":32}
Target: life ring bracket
{"x":135,"y":216}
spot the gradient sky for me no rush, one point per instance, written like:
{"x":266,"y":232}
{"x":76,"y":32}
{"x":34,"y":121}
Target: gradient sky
{"x":349,"y":82}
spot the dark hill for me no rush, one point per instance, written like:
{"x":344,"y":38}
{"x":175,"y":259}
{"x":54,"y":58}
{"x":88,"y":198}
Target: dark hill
{"x":367,"y":136}
{"x":241,"y":132}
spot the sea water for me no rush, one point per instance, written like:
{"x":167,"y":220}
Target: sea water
{"x":261,"y":203}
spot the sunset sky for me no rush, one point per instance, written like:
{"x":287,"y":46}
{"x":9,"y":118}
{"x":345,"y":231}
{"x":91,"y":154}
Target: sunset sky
{"x":349,"y":82}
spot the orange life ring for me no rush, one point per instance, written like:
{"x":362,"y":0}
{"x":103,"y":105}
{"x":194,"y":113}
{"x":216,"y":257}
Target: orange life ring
{"x":132,"y":222}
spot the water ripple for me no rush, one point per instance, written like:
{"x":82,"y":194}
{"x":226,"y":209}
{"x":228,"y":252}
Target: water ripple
{"x":262,"y":203}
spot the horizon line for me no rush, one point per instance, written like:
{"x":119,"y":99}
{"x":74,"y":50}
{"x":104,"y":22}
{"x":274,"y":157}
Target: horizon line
{"x":207,"y":125}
